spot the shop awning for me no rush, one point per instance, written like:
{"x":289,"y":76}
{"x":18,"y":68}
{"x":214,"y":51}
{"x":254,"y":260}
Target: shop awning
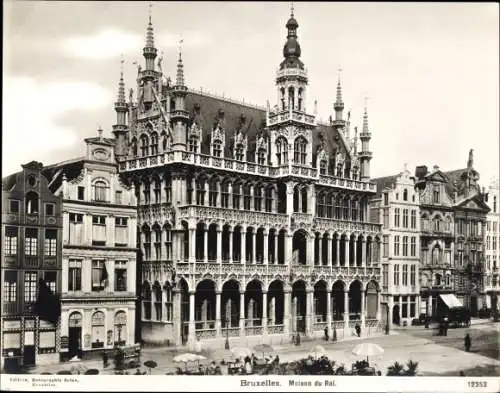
{"x":451,"y":300}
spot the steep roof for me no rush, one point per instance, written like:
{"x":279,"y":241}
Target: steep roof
{"x":71,"y":168}
{"x":384,"y":182}
{"x":255,"y":122}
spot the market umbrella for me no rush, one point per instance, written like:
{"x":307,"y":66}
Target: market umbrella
{"x":150,"y":364}
{"x":241,"y":352}
{"x":188,"y":357}
{"x":264,"y":348}
{"x":367,"y":349}
{"x":318,"y":351}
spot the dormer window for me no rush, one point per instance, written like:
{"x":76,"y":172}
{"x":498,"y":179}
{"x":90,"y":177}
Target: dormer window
{"x":261,"y":157}
{"x":239,"y":153}
{"x":217,"y":149}
{"x":100,"y":188}
{"x":323,"y":167}
{"x":144,"y":146}
{"x":193,"y":144}
{"x":435,"y":195}
{"x":154,"y":143}
{"x":282,"y":151}
{"x":32,"y":203}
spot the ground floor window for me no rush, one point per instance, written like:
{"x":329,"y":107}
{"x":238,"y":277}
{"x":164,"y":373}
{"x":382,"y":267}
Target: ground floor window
{"x":98,"y":330}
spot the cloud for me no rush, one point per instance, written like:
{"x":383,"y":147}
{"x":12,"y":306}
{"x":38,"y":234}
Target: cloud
{"x":32,"y":111}
{"x":190,"y":39}
{"x":106,"y":43}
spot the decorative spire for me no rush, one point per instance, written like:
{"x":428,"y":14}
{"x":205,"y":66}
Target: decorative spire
{"x":149,"y":31}
{"x":365,"y":118}
{"x":121,"y":83}
{"x":291,"y":9}
{"x":339,"y":88}
{"x":355,"y":140}
{"x":180,"y":67}
{"x":99,"y":132}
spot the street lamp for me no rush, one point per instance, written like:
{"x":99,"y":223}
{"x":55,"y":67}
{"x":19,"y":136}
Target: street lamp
{"x":227,"y":333}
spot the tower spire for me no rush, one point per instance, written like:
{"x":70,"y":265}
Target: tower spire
{"x":121,"y":83}
{"x":180,"y":67}
{"x":149,"y":52}
{"x":366,"y":154}
{"x":365,"y":118}
{"x":121,"y":108}
{"x":338,"y":106}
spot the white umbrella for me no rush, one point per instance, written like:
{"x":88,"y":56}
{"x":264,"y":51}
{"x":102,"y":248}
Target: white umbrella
{"x":188,"y":357}
{"x":241,"y":352}
{"x":367,"y":349}
{"x":318,"y":351}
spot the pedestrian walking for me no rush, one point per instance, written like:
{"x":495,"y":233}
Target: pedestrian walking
{"x":297,"y":340}
{"x":327,"y":337}
{"x":105,"y":360}
{"x":358,"y":329}
{"x":467,"y":342}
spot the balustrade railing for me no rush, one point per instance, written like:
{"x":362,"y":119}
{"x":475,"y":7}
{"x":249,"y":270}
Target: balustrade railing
{"x":230,"y":332}
{"x":253,"y":330}
{"x":275,"y":329}
{"x":323,"y":223}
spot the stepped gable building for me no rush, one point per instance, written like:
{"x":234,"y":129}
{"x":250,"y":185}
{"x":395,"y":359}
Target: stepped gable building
{"x":31,"y":251}
{"x":396,"y":207}
{"x":492,"y":283}
{"x":252,"y":221}
{"x":453,"y":217}
{"x":99,"y":252}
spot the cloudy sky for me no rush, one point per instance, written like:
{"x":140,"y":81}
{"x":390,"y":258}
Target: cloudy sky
{"x":430,"y":70}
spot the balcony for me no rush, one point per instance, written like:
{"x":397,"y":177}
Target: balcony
{"x":210,"y":213}
{"x":324,"y":224}
{"x":291,"y":115}
{"x":347,"y":183}
{"x":291,"y":72}
{"x":427,"y":232}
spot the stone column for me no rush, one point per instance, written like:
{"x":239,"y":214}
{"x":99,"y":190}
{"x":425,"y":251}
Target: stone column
{"x":347,"y":251}
{"x":401,"y":310}
{"x":252,"y":198}
{"x":363,"y":311}
{"x":264,"y":312}
{"x":192,"y":333}
{"x":254,"y":246}
{"x":329,"y":310}
{"x":205,"y":245}
{"x":230,"y":196}
{"x":288,"y":249}
{"x":286,"y":311}
{"x":274,"y":203}
{"x":337,"y":252}
{"x":219,"y":245}
{"x":275,"y":259}
{"x":355,"y":252}
{"x":192,"y":245}
{"x":217,"y":313}
{"x":207,"y":192}
{"x":218,"y":198}
{"x":363,"y":253}
{"x":347,"y":332}
{"x":242,"y":313}
{"x":329,"y":250}
{"x":390,"y":302}
{"x":266,"y":247}
{"x":310,"y":251}
{"x":320,"y":250}
{"x":378,"y":306}
{"x":230,"y":244}
{"x":243,"y":242}
{"x":309,"y":312}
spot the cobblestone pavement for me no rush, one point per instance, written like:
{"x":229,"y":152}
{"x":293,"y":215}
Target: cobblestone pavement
{"x":437,"y":355}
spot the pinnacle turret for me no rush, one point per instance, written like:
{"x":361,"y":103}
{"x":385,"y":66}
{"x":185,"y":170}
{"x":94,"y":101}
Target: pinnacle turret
{"x":366,"y":154}
{"x":121,"y":85}
{"x":179,"y":80}
{"x":149,"y":51}
{"x":339,"y":104}
{"x":365,"y":121}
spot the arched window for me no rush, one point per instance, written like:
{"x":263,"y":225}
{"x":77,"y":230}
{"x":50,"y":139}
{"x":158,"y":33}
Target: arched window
{"x":164,"y":142}
{"x":257,"y":197}
{"x":75,"y":320}
{"x":261,"y":157}
{"x":436,"y":255}
{"x":329,"y":206}
{"x":321,"y":205}
{"x":247,"y":197}
{"x":282,"y":151}
{"x":146,"y":301}
{"x":338,"y":207}
{"x":405,"y":195}
{"x":217,"y":148}
{"x":354,"y":210}
{"x":291,"y":97}
{"x":438,"y":279}
{"x":158,"y":301}
{"x":98,"y":329}
{"x":224,"y":194}
{"x":236,"y":195}
{"x":133,"y":147}
{"x":212,"y":192}
{"x":269,"y":199}
{"x":31,"y":203}
{"x":169,"y":304}
{"x":154,"y":143}
{"x":168,"y":242}
{"x":193,"y":144}
{"x":157,"y":241}
{"x":323,"y":167}
{"x":299,"y":103}
{"x":239,"y":153}
{"x":144,"y":146}
{"x":157,"y":190}
{"x":120,"y":326}
{"x":346,"y":209}
{"x":282,"y":91}
{"x":100,"y":191}
{"x":299,"y":150}
{"x":200,"y":191}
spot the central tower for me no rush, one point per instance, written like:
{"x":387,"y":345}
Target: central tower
{"x":289,"y":124}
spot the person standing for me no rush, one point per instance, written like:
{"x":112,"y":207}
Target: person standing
{"x":326,"y":334}
{"x":105,"y":360}
{"x":467,"y":342}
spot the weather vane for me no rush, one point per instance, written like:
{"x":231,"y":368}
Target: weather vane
{"x":150,"y":10}
{"x":291,"y":7}
{"x":339,"y":72}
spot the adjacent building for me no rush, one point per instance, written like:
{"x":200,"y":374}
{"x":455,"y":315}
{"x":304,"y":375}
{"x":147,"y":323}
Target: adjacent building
{"x":396,"y":207}
{"x":252,"y":221}
{"x":491,"y":279}
{"x":99,"y":215}
{"x":31,"y":251}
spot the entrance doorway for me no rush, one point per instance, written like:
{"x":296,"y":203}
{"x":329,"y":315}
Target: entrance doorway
{"x":473,"y":306}
{"x":29,"y":357}
{"x":395,"y":315}
{"x":74,"y":341}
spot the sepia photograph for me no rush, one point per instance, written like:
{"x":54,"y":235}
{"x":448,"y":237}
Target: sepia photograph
{"x":287,"y":196}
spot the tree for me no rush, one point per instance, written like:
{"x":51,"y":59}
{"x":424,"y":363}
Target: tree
{"x":395,"y":370}
{"x":411,"y":368}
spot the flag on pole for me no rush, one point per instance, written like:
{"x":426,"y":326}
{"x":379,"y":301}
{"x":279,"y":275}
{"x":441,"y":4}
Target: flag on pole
{"x":47,"y":305}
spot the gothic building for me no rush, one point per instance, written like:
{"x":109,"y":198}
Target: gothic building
{"x":251,"y":221}
{"x":31,"y":251}
{"x":99,"y":215}
{"x":396,"y":207}
{"x":492,"y":283}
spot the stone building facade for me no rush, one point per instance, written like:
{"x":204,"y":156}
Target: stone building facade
{"x":492,"y":282}
{"x":99,"y":215}
{"x":252,"y":221}
{"x":31,"y":250}
{"x":396,"y":207}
